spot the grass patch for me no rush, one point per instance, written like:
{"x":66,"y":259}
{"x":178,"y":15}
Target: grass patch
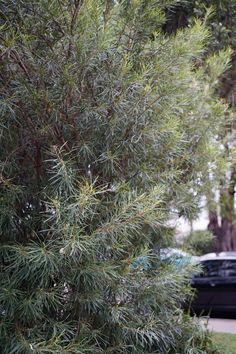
{"x":225,"y":342}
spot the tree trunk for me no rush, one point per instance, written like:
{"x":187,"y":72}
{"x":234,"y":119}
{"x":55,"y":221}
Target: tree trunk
{"x":225,"y":234}
{"x":225,"y":231}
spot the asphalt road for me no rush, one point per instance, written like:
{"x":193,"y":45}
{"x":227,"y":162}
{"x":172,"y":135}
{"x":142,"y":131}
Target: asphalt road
{"x":221,"y":325}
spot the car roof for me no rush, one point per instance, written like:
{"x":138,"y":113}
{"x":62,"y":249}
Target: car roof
{"x":218,"y":256}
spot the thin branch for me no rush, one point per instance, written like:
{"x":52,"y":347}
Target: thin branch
{"x":75,"y":14}
{"x":74,"y":17}
{"x":15,"y":56}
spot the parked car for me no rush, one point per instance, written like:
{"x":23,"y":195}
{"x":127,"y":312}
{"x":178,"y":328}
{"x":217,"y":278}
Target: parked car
{"x":215,"y":284}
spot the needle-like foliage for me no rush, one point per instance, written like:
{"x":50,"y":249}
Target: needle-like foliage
{"x":107,"y":129}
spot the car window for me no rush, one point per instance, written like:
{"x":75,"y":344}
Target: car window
{"x":218,"y":268}
{"x":212,"y":268}
{"x":229,"y":267}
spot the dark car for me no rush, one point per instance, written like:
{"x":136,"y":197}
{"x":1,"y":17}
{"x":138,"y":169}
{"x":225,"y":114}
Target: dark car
{"x":216,"y":284}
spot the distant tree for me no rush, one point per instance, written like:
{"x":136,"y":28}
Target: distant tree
{"x":107,"y":129}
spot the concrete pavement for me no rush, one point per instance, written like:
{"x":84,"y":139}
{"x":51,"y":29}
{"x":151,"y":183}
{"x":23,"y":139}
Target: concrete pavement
{"x":221,"y":325}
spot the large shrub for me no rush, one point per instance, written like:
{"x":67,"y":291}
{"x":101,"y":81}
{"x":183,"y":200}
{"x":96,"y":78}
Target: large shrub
{"x":199,"y":242}
{"x":107,"y":128}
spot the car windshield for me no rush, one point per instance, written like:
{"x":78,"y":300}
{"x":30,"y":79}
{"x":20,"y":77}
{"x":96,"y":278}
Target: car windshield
{"x":218,"y":268}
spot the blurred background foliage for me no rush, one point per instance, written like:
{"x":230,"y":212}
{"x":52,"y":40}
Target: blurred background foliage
{"x":220,"y":17}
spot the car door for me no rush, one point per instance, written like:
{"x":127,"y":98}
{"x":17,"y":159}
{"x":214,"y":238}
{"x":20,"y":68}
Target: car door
{"x":225,"y":289}
{"x":208,"y":285}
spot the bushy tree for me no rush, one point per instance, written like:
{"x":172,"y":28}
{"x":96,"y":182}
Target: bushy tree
{"x":107,"y":128}
{"x":199,"y":242}
{"x":222,"y":22}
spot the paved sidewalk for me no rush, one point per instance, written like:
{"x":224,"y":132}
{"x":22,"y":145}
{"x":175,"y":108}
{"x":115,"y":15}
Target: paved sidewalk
{"x":221,"y":325}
